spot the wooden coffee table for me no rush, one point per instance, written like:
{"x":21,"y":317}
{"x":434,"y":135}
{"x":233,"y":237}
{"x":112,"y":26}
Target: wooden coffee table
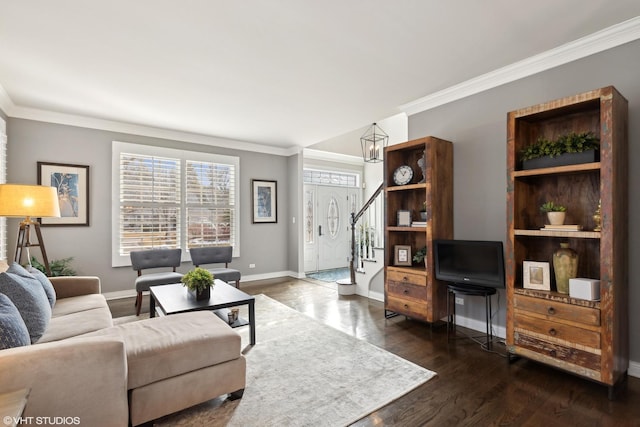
{"x":173,"y":299}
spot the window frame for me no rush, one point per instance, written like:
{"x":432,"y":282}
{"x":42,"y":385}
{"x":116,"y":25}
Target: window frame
{"x":118,"y":147}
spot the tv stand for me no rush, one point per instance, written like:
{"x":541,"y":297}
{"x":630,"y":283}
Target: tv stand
{"x":454,"y":289}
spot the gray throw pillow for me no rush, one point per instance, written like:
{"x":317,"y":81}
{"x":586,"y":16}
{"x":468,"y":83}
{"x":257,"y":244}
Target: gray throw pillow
{"x":46,"y":284}
{"x":13,"y":331}
{"x":26,"y":293}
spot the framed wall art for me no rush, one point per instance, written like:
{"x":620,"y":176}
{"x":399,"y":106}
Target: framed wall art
{"x":404,"y":218}
{"x":536,"y":275}
{"x":264,"y":199}
{"x":402,"y":255}
{"x":72,"y":184}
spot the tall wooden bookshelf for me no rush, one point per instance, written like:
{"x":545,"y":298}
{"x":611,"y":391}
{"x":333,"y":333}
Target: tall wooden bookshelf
{"x":585,"y":337}
{"x":412,"y":290}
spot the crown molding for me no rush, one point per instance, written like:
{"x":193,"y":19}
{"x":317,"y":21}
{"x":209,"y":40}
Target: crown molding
{"x":6,"y":104}
{"x":310,"y":153}
{"x":133,"y":129}
{"x":599,"y":41}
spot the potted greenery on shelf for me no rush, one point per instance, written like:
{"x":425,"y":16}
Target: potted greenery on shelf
{"x":198,"y":282}
{"x":421,"y":255}
{"x":572,"y":148}
{"x":555,"y":213}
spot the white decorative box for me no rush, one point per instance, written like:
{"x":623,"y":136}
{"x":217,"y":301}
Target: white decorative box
{"x":588,"y":289}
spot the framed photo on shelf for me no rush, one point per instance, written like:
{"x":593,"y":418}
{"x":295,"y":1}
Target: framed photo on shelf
{"x":536,"y":275}
{"x":402,"y":255}
{"x":404,"y":218}
{"x":72,"y":185}
{"x":264,"y":198}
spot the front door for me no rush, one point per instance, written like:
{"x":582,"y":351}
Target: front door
{"x":327,"y":226}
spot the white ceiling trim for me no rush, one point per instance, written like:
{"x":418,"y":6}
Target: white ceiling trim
{"x":132,"y":129}
{"x":600,"y":41}
{"x":309,"y":153}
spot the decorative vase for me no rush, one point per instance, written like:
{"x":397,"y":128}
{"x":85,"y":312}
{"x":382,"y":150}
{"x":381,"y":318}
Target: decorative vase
{"x":423,"y":215}
{"x":201,"y":294}
{"x":565,"y":267}
{"x":556,"y":218}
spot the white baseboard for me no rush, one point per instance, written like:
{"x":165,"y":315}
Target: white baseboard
{"x":378,"y":296}
{"x":634,"y":369}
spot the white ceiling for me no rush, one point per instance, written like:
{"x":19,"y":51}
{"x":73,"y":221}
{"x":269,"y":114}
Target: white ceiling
{"x":279,"y":73}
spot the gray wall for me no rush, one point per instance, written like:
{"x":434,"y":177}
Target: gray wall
{"x":477,"y":127}
{"x":30,"y":141}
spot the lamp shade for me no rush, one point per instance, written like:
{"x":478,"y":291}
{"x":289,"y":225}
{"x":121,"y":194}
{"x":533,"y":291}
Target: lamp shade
{"x":35,"y":201}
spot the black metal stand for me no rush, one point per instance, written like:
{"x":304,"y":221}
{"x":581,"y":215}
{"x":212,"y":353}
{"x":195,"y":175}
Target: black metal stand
{"x":454,"y":289}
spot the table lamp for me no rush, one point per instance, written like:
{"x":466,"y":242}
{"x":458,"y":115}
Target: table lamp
{"x":29,"y":201}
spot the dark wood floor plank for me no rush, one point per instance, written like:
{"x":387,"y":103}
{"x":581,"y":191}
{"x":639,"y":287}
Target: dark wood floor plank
{"x":473,"y":387}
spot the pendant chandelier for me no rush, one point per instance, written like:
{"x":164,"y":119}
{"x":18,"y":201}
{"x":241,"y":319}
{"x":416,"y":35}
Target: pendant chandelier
{"x":373,"y":143}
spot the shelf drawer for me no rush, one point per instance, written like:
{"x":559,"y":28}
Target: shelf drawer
{"x":407,"y":290}
{"x":403,"y":277}
{"x":408,"y":307}
{"x":567,"y":354}
{"x":558,"y":330}
{"x":558,"y":310}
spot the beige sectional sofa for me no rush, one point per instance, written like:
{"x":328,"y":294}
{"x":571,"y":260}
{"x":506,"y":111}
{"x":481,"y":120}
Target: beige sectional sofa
{"x":105,"y":375}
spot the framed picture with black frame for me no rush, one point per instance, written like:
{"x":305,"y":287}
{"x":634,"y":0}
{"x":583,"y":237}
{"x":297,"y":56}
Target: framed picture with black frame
{"x":72,"y":184}
{"x":264,"y":199}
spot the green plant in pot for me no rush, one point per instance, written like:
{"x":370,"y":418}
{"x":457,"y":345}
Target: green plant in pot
{"x":423,"y":211}
{"x":566,"y":144}
{"x":199,"y":283}
{"x":555,"y":213}
{"x":420,"y":256}
{"x":59,"y":267}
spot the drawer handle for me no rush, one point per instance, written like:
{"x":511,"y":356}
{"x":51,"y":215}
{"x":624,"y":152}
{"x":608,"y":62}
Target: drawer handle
{"x":406,"y":291}
{"x":406,"y":306}
{"x":553,"y":332}
{"x":405,"y":278}
{"x":552,"y":353}
{"x":551,"y":310}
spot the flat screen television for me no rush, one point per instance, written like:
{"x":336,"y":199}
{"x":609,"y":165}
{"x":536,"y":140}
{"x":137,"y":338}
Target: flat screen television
{"x":470,"y":262}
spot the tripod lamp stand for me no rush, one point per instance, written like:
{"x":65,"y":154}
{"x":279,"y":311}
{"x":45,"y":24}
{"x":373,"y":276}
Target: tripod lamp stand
{"x":29,"y":201}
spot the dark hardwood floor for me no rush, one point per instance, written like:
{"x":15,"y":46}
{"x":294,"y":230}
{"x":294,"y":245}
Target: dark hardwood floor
{"x":473,"y":386}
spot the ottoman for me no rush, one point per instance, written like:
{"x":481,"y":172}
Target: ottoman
{"x":178,"y":361}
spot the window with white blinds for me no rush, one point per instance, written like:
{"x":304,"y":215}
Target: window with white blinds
{"x":172,"y":199}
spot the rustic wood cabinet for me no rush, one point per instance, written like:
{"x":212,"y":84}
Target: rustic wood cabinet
{"x":587,"y":338}
{"x":412,"y":289}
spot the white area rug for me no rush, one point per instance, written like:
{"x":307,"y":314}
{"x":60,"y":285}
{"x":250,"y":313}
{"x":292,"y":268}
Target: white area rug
{"x":304,"y":373}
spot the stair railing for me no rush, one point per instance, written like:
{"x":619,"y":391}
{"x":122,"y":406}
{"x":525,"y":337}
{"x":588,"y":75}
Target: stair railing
{"x":354,"y":220}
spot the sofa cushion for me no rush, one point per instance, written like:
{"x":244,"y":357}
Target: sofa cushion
{"x":75,"y":324}
{"x":27,"y":295}
{"x":80,"y":303}
{"x":169,"y":346}
{"x":46,"y":284}
{"x":13,"y":331}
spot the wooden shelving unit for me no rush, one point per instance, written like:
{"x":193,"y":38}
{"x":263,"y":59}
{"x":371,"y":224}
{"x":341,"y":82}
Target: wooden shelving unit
{"x":413,"y":290}
{"x":587,"y":338}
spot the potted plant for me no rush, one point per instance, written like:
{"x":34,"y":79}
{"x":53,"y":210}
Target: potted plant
{"x":423,"y":211}
{"x":421,"y":255}
{"x":555,"y":213}
{"x":569,"y":149}
{"x":198,"y":282}
{"x":59,"y":267}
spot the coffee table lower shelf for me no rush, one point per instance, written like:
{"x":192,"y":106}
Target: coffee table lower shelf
{"x":172,"y":299}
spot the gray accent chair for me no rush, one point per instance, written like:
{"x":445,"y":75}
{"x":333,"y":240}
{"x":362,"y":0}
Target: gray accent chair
{"x":216,"y":255}
{"x":151,"y":259}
